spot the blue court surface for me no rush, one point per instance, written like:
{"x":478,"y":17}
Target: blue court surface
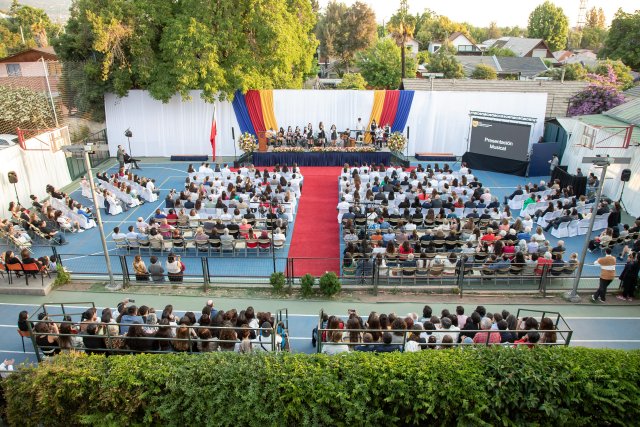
{"x":604,"y":327}
{"x":83,"y":254}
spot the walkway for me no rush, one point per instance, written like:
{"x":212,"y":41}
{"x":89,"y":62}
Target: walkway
{"x":316,"y":232}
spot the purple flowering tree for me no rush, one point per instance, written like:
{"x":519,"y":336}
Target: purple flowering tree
{"x":602,"y":94}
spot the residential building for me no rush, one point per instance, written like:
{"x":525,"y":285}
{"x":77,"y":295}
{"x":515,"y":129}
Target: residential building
{"x":462,"y":44}
{"x":506,"y":67}
{"x":522,"y":46}
{"x":29,"y":68}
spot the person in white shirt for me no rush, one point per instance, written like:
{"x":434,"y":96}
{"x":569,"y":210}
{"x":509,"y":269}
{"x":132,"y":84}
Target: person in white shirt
{"x":142,"y":226}
{"x":263,"y":341}
{"x":343,"y":208}
{"x":225,"y":170}
{"x":202,"y":168}
{"x":131,"y":235}
{"x":117,"y":235}
{"x":151,"y":186}
{"x":486,"y":196}
{"x":335,"y":347}
{"x":6,"y":367}
{"x":446,"y":328}
{"x":359,"y":128}
{"x":464,"y":170}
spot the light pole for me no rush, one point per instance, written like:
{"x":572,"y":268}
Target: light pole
{"x":129,"y":135}
{"x":604,"y":163}
{"x":85,"y":150}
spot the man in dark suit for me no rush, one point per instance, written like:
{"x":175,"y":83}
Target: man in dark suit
{"x":485,"y":214}
{"x":470,"y":204}
{"x":436,"y":202}
{"x":517,"y":192}
{"x":473,"y":214}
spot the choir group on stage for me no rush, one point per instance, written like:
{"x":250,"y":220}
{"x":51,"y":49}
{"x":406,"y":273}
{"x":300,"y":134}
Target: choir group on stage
{"x":308,"y":137}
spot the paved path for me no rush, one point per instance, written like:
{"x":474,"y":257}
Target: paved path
{"x":594,"y":326}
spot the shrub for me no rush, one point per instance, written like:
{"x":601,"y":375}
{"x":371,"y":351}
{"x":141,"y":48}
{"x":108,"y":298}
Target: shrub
{"x":329,"y":284}
{"x":484,"y":72}
{"x":277,"y":281}
{"x":487,"y":386}
{"x":306,"y":284}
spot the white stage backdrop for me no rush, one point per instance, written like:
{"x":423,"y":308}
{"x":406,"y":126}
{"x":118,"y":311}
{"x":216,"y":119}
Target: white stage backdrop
{"x":606,"y":143}
{"x":438,"y":121}
{"x":35,"y":170}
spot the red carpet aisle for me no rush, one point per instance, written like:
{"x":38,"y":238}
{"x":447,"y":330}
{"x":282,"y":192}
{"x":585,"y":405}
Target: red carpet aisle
{"x":315,"y":234}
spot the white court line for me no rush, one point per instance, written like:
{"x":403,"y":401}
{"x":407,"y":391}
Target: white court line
{"x":84,"y":256}
{"x":17,"y":352}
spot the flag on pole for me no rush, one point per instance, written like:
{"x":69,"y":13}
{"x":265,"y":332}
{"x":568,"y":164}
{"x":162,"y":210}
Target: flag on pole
{"x":214,"y":132}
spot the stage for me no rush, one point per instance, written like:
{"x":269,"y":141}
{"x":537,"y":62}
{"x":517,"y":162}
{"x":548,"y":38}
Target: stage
{"x":330,"y":158}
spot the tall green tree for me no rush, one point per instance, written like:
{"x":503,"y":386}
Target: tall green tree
{"x":401,"y":27}
{"x":433,"y":27}
{"x":381,"y":64}
{"x":352,"y":81}
{"x":343,"y":31}
{"x":175,"y":47}
{"x":622,"y":40}
{"x":596,"y":18}
{"x":548,"y":22}
{"x":445,"y":62}
{"x":35,"y":24}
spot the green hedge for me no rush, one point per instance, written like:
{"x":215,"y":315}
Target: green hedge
{"x":491,"y":386}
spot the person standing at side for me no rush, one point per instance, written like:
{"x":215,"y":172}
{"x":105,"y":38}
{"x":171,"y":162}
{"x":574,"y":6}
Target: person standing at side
{"x":629,"y":277}
{"x":120,"y":156}
{"x":553,"y":162}
{"x":607,"y":273}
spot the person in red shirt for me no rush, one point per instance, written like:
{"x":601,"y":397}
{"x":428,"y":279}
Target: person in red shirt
{"x":481,"y":337}
{"x":489,"y":236}
{"x":542,"y":261}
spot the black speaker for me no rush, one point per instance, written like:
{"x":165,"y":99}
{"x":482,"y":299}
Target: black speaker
{"x":626,"y":175}
{"x":128,"y":133}
{"x":233,"y":133}
{"x":236,"y":164}
{"x":13,"y":177}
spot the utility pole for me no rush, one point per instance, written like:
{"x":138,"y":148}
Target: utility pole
{"x":85,"y":150}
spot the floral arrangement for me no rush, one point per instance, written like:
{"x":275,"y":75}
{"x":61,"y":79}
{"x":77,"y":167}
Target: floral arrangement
{"x":288,"y":150}
{"x":368,"y":149}
{"x":247,"y":142}
{"x":396,"y":142}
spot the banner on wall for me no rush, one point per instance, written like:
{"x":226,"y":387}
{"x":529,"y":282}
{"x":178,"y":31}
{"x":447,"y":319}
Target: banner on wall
{"x":500,"y":139}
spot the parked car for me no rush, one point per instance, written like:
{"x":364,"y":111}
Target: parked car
{"x":8,"y":140}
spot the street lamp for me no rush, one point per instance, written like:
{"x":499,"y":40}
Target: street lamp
{"x":85,"y":150}
{"x":604,"y":163}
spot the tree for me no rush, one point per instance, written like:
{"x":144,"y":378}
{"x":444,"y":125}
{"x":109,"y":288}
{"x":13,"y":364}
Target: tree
{"x":352,"y":81}
{"x":433,"y":27}
{"x":622,"y":40}
{"x":484,"y":72}
{"x":423,"y":57}
{"x":381,"y":64}
{"x":192,"y":44}
{"x":500,"y":51}
{"x":328,"y":28}
{"x":548,"y":22}
{"x":34,"y":23}
{"x":24,"y":108}
{"x":401,"y":27}
{"x":494,"y":32}
{"x":343,"y":31}
{"x":593,"y":38}
{"x":624,"y":79}
{"x":444,"y":62}
{"x":359,"y":32}
{"x":602,"y":94}
{"x":574,"y":71}
{"x":596,"y":18}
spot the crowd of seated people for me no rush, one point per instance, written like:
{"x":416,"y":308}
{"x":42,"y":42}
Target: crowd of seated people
{"x":438,"y":219}
{"x":45,"y":221}
{"x":137,"y":329}
{"x":26,"y":264}
{"x":122,"y":191}
{"x":382,"y":332}
{"x":248,"y":206}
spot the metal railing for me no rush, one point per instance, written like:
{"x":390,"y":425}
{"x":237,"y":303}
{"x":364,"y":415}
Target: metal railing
{"x":227,"y":268}
{"x":564,"y":335}
{"x":119,"y":343}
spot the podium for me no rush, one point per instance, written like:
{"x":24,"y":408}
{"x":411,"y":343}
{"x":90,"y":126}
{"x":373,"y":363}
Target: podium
{"x":262,"y":141}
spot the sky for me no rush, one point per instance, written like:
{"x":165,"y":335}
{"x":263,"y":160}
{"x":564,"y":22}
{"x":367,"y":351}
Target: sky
{"x":507,"y":13}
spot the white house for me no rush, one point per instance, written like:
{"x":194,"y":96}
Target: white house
{"x":462,"y":44}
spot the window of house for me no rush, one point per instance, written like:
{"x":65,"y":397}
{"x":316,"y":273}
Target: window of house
{"x":13,"y":70}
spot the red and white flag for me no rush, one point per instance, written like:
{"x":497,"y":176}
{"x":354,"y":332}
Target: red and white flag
{"x":214,"y":132}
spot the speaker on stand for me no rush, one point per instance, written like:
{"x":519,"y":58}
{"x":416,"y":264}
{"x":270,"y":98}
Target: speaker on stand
{"x":625,"y":176}
{"x":13,"y":179}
